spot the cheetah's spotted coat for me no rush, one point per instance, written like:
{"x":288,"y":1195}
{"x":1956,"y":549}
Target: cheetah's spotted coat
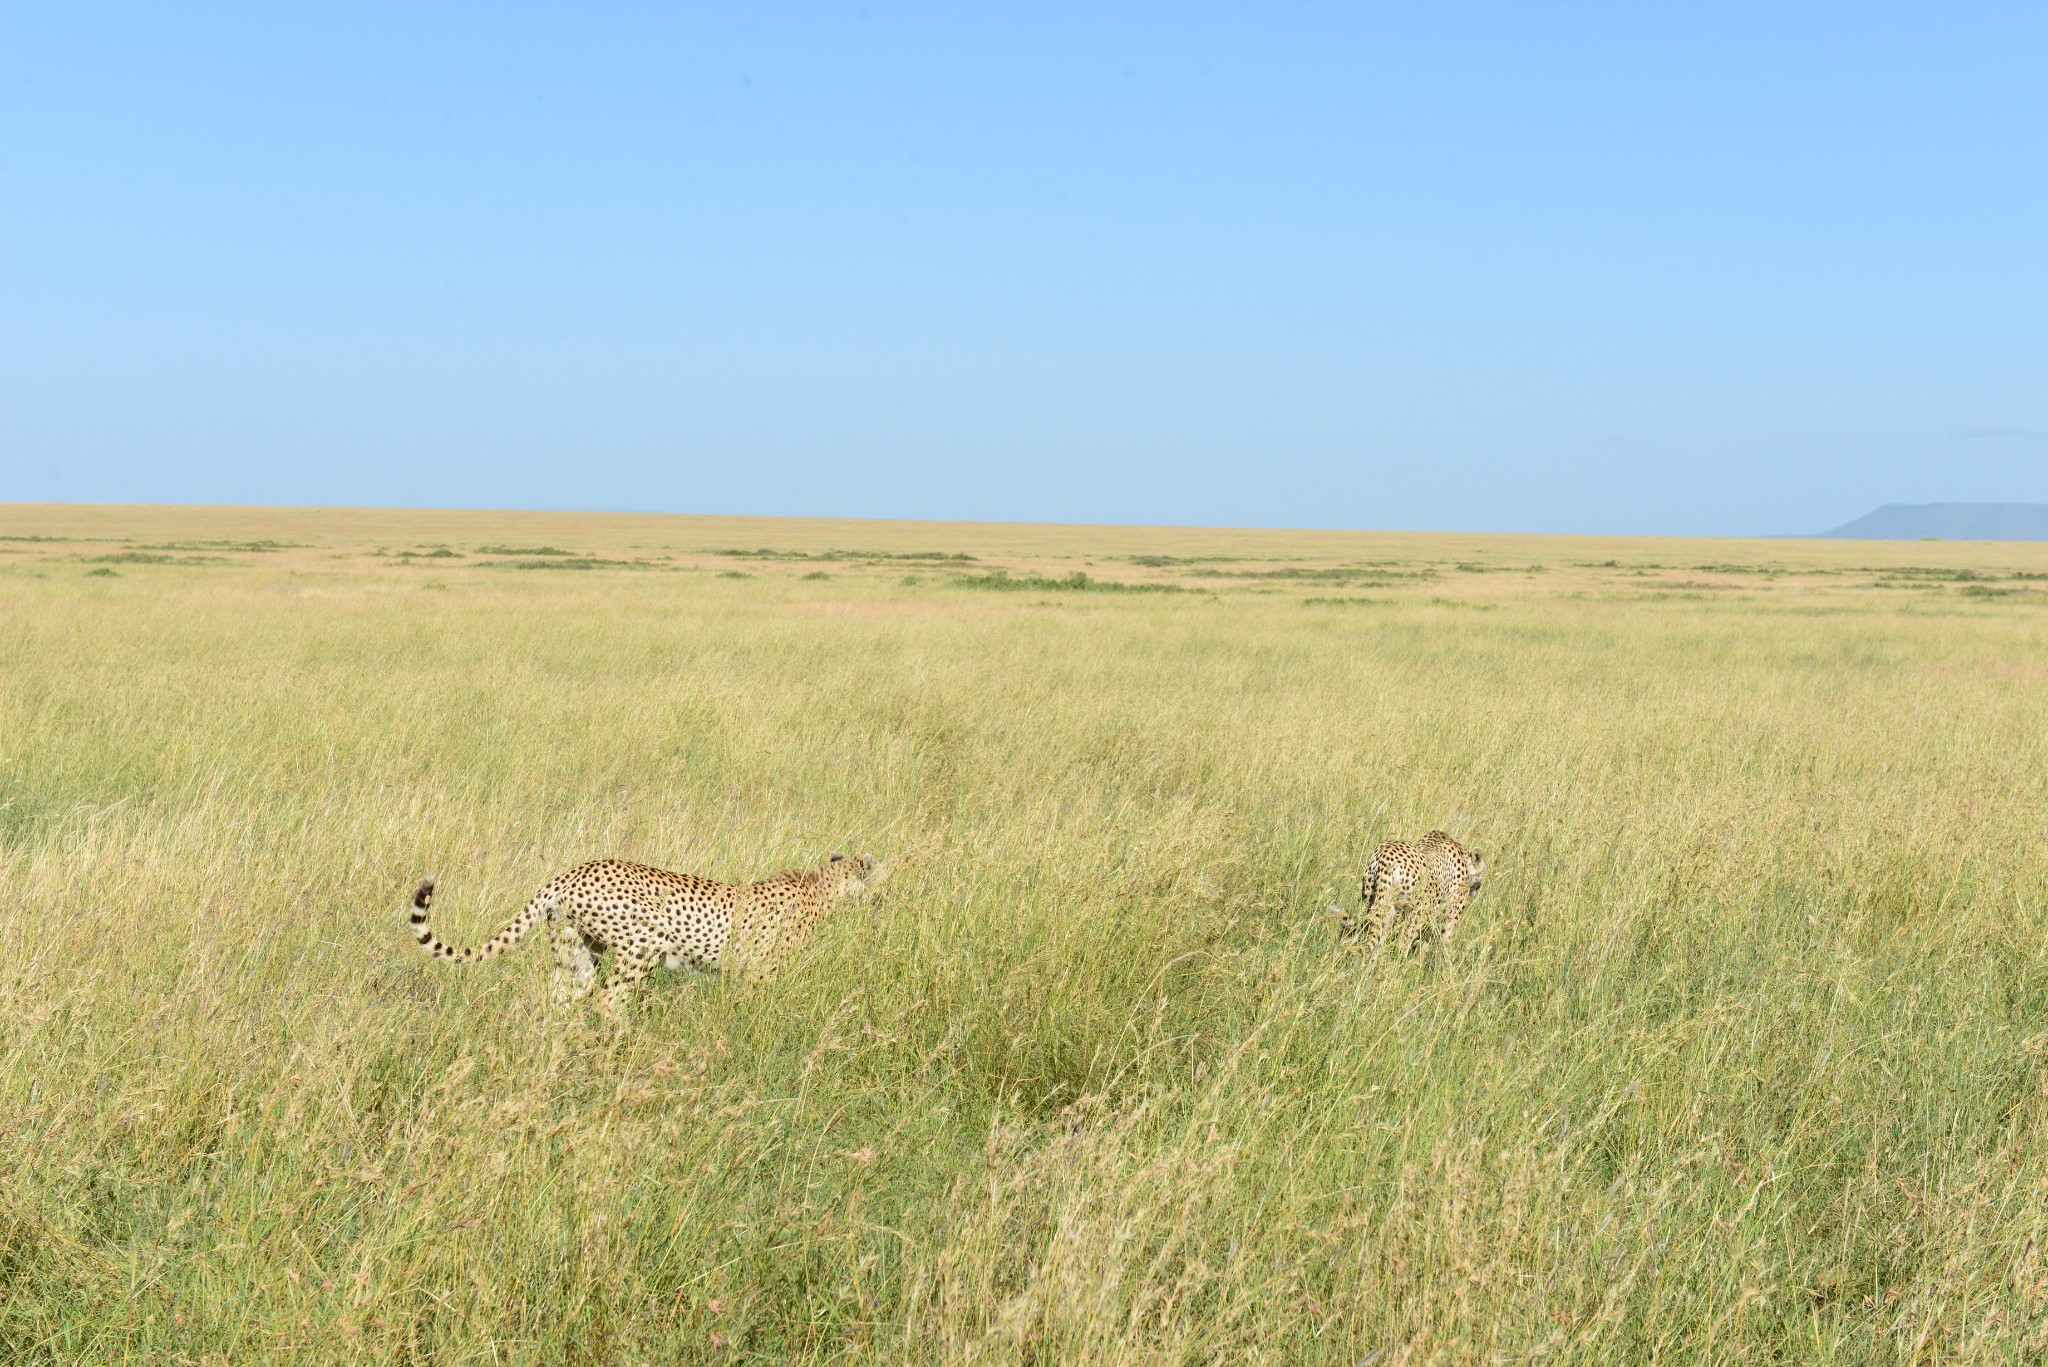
{"x":651,"y":916}
{"x":1416,"y":885}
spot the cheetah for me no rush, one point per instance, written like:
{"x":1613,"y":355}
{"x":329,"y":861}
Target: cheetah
{"x":653,"y":917}
{"x":1436,"y":871}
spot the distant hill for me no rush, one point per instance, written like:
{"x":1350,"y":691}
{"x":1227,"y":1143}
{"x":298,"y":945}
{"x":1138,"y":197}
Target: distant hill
{"x":1949,"y":522}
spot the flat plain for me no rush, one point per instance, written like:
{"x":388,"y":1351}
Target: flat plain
{"x":1741,"y":1054}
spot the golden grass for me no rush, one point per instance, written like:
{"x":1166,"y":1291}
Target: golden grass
{"x":1740,"y":1055}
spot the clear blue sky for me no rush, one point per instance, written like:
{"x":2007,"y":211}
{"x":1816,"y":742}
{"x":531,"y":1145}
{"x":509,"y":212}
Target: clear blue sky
{"x":1715,"y":268}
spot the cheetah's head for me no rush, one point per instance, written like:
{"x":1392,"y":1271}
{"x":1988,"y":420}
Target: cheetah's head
{"x":1475,"y":868}
{"x":852,"y":877}
{"x":1346,"y":927}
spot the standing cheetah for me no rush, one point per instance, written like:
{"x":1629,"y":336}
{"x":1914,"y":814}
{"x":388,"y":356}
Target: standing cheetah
{"x":1436,"y":871}
{"x":651,"y":916}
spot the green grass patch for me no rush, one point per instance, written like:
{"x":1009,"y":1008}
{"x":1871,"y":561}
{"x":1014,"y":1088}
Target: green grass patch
{"x":154,"y":558}
{"x":1078,"y":582}
{"x":1930,"y":573}
{"x":929,"y":557}
{"x":1362,"y":574}
{"x":577,"y":562}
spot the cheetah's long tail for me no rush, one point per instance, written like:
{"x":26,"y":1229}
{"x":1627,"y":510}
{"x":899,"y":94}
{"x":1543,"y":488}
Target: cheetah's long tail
{"x":539,"y":909}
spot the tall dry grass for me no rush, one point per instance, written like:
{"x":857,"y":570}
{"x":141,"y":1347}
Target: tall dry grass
{"x":1740,"y":1054}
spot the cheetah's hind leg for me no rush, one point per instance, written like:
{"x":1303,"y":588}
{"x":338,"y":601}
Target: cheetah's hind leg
{"x":1412,"y":931}
{"x":1391,"y":906}
{"x":575,"y":970}
{"x":630,"y":967}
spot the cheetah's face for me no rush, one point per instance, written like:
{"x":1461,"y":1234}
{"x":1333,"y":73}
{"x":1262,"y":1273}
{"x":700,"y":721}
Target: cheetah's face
{"x":850,"y":877}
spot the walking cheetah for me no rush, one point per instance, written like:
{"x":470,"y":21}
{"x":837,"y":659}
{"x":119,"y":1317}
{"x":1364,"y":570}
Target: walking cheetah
{"x":651,"y":916}
{"x":1436,"y":871}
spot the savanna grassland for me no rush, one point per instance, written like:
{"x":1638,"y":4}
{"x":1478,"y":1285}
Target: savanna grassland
{"x":1741,"y":1055}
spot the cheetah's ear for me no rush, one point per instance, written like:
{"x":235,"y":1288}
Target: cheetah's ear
{"x":836,"y":857}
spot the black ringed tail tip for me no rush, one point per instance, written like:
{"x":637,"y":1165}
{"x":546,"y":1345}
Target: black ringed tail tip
{"x":423,"y":897}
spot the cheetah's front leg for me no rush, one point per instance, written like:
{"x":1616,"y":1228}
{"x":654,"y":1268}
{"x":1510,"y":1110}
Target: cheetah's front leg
{"x":1454,"y":907}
